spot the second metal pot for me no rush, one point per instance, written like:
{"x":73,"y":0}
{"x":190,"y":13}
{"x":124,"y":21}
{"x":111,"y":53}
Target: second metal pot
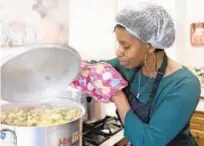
{"x":95,"y":110}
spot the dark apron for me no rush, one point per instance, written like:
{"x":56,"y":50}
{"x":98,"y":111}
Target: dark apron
{"x":142,"y":110}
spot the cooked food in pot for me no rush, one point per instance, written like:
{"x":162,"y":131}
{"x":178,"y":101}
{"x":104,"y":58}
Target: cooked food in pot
{"x":39,"y":116}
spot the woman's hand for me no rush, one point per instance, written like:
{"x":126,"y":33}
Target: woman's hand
{"x":121,"y":103}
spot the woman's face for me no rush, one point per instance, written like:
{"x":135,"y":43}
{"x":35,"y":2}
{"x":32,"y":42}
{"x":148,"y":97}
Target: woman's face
{"x":130,"y":51}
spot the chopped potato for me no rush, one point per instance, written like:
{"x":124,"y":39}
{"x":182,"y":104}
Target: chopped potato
{"x":39,"y":117}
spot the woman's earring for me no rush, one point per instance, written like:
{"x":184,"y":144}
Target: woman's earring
{"x":146,"y":57}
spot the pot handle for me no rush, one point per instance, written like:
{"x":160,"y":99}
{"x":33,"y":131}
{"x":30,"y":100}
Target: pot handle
{"x":3,"y":135}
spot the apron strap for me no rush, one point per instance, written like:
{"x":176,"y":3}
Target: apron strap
{"x":160,"y":73}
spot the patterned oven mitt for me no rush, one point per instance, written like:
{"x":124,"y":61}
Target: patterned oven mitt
{"x":82,"y":80}
{"x":100,"y":81}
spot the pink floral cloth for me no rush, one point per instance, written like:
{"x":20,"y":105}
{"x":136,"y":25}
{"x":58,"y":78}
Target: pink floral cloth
{"x":100,"y":81}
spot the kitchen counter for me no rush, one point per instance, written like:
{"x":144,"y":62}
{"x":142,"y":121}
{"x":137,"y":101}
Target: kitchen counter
{"x":114,"y":139}
{"x":200,"y":106}
{"x":202,"y":91}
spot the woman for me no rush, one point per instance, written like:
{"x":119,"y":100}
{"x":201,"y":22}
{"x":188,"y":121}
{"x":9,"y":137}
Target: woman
{"x":162,"y":95}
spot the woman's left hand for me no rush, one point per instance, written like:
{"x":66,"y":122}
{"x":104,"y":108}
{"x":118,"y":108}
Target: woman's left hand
{"x":120,"y":94}
{"x":122,"y":104}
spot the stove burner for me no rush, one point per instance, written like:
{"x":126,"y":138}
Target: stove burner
{"x":96,"y":139}
{"x":86,"y":143}
{"x":110,"y":129}
{"x":96,"y":133}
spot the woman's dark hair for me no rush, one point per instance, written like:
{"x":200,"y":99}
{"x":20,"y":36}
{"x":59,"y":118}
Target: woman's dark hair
{"x":159,"y":50}
{"x":118,"y":26}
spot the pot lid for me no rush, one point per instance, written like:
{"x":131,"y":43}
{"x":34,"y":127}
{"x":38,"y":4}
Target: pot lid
{"x":38,"y":72}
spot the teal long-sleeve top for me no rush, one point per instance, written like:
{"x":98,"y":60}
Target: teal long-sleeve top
{"x":175,"y":101}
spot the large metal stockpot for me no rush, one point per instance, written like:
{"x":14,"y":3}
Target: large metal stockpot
{"x":30,"y":76}
{"x":68,"y":134}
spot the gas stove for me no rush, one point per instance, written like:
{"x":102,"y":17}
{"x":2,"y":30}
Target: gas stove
{"x":96,"y":134}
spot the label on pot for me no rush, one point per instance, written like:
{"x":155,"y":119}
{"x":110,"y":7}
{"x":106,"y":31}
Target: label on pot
{"x":67,"y":141}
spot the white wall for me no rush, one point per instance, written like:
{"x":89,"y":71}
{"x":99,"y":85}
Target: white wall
{"x":187,"y":12}
{"x":194,"y":13}
{"x":91,"y":28}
